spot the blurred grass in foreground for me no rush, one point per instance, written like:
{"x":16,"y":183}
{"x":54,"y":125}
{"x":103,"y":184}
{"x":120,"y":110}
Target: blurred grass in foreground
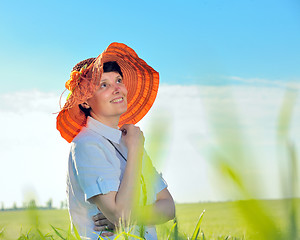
{"x":231,"y":157}
{"x":220,"y":220}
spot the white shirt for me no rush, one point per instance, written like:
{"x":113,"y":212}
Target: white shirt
{"x":95,"y":168}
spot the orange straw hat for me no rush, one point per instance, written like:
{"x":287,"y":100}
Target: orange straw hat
{"x":140,"y":79}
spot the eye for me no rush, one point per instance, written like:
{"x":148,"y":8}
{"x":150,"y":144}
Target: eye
{"x":119,"y":80}
{"x":103,"y":85}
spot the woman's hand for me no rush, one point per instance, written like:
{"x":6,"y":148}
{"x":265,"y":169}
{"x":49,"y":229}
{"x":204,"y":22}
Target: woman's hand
{"x":132,"y":137}
{"x":102,"y":224}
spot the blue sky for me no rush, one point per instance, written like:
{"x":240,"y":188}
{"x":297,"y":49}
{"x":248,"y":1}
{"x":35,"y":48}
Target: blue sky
{"x":241,"y":54}
{"x":188,"y":42}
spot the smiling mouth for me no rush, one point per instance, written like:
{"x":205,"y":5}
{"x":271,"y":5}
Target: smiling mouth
{"x":117,"y":100}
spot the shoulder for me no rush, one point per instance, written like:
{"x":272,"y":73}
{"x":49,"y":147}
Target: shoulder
{"x":84,"y":135}
{"x":87,"y":136}
{"x":87,"y":150}
{"x":86,"y":140}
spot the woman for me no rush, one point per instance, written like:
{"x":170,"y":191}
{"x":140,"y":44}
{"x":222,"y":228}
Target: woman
{"x":108,"y":167}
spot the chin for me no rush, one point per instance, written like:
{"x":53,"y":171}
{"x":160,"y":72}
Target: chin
{"x":121,"y":110}
{"x":124,"y":111}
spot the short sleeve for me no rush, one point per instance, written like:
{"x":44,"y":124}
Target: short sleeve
{"x":160,"y":183}
{"x":154,"y":181}
{"x":95,"y":174}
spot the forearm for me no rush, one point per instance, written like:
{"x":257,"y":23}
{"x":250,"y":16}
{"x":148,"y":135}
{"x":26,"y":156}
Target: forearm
{"x":127,"y":197}
{"x":116,"y":205}
{"x":161,"y":211}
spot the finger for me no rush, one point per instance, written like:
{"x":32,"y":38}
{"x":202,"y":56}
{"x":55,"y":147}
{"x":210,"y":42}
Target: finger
{"x":107,"y":234}
{"x":111,"y":226}
{"x":102,"y":228}
{"x":102,"y":222}
{"x":125,"y":126}
{"x":99,"y":216}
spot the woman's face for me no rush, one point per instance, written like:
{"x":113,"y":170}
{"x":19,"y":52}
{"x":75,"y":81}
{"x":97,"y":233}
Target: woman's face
{"x":110,"y":100}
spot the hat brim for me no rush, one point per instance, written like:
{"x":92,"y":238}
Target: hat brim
{"x":141,"y":81}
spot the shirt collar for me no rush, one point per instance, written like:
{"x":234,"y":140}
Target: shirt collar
{"x":104,"y":130}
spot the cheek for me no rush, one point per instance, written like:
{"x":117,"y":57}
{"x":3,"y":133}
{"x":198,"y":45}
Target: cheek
{"x":125,"y":91}
{"x":102,"y":96}
{"x":96,"y":101}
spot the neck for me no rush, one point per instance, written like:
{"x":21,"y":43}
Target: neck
{"x":112,"y":121}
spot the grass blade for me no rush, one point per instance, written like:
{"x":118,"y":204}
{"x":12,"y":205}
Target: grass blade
{"x":76,"y":233}
{"x":172,"y":230}
{"x":2,"y":233}
{"x":41,"y":235}
{"x":134,"y":236}
{"x":57,"y":233}
{"x":197,"y":229}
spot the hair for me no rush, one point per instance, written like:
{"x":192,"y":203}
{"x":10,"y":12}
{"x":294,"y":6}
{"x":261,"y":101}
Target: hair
{"x":79,"y":65}
{"x":107,"y":67}
{"x":112,"y":67}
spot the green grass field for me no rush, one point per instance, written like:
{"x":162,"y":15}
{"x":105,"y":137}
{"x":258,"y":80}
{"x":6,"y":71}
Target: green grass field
{"x":220,"y":220}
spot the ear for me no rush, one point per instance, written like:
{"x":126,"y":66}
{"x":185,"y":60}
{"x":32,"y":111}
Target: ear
{"x":85,"y":105}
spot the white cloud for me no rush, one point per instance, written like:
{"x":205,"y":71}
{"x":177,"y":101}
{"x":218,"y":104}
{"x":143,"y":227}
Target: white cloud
{"x":278,"y":83}
{"x":33,"y":155}
{"x":29,"y":101}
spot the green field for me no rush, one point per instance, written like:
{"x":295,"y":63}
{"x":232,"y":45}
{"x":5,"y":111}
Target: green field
{"x":221,"y":220}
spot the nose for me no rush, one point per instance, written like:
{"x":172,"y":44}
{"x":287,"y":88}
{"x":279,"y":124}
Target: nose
{"x":116,"y":88}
